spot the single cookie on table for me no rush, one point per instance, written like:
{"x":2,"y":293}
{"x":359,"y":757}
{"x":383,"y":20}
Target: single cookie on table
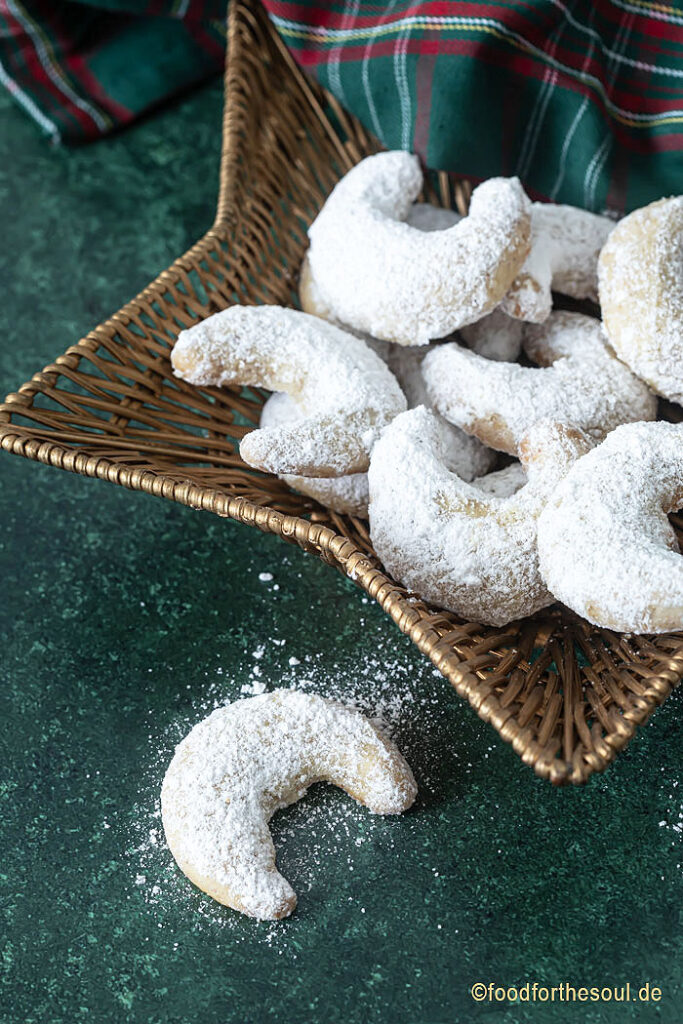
{"x":641,"y":294}
{"x":453,"y":545}
{"x":244,"y":762}
{"x":378,"y":274}
{"x":579,"y":382}
{"x":607,"y":549}
{"x":345,"y":391}
{"x":565,"y":246}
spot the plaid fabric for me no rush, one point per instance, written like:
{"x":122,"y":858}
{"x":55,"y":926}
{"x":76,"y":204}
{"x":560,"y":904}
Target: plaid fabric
{"x":81,"y":69}
{"x":583,"y":99}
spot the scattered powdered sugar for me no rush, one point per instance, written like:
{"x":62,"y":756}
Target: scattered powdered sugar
{"x":252,"y":758}
{"x":391,"y":684}
{"x":346,"y":392}
{"x":606,"y":547}
{"x":641,"y":294}
{"x":450,"y":542}
{"x":380,"y":275}
{"x":674,"y":820}
{"x":580,"y":384}
{"x":565,"y":246}
{"x":254,"y":687}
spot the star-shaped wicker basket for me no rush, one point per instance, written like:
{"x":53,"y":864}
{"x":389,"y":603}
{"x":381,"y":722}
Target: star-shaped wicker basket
{"x":566,"y":695}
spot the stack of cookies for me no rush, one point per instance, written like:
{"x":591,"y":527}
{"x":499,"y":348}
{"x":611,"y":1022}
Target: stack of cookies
{"x":428,"y":345}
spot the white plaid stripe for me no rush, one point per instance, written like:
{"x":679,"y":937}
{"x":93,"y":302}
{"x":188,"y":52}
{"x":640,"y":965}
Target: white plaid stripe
{"x":287,"y":25}
{"x":561,"y":170}
{"x":401,"y":61}
{"x":540,"y":107}
{"x":29,"y":106}
{"x":365,"y":77}
{"x":44,"y":52}
{"x":650,"y":11}
{"x":334,"y":67}
{"x":595,"y":167}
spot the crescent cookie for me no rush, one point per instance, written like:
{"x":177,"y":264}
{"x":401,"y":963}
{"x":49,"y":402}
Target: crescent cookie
{"x":350,"y":495}
{"x":607,"y":549}
{"x":378,"y":274}
{"x":422,"y":217}
{"x":345,"y":494}
{"x":244,"y":762}
{"x":641,"y":294}
{"x":345,"y":391}
{"x":579,"y":382}
{"x":456,"y":547}
{"x":565,"y":245}
{"x":463,"y":454}
{"x":496,"y":335}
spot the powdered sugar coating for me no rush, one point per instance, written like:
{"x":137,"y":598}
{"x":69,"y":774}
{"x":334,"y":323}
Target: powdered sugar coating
{"x":422,"y":217}
{"x":380,"y":275}
{"x":607,"y":549}
{"x":313,"y":302}
{"x":456,"y":547}
{"x":463,"y":455}
{"x":496,"y":336}
{"x":503,"y":482}
{"x":244,"y":762}
{"x":641,"y":294}
{"x":345,"y":494}
{"x":565,"y":245}
{"x":345,"y":391}
{"x":579,"y":383}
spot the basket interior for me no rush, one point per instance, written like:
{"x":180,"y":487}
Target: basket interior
{"x":568,"y":696}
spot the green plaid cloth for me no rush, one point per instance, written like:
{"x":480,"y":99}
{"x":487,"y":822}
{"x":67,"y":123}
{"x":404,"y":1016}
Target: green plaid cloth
{"x":83,"y":68}
{"x":583,"y":99}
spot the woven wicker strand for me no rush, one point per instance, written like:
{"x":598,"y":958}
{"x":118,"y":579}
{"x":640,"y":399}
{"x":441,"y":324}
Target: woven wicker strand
{"x":567,"y":697}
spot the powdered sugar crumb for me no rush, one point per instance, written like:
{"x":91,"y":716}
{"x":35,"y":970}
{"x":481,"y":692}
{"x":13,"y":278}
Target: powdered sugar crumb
{"x":390,"y":683}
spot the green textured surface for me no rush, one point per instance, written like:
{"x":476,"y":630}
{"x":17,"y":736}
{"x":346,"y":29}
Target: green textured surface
{"x":124,"y":618}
